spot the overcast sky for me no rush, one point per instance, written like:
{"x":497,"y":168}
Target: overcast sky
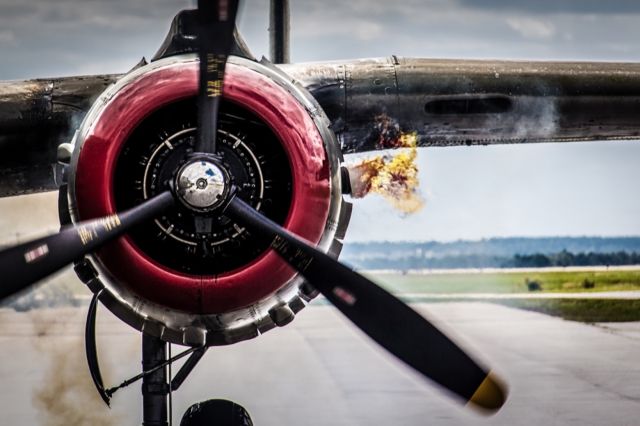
{"x":550,"y":189}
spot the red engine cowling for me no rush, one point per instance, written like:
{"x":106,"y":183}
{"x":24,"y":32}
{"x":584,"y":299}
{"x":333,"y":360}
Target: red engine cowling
{"x":183,"y":278}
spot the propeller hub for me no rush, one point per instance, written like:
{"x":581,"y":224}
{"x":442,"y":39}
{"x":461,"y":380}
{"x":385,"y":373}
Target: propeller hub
{"x":202,"y":185}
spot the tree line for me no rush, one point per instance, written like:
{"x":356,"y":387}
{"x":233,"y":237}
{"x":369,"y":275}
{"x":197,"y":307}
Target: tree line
{"x":566,"y":258}
{"x":536,"y":260}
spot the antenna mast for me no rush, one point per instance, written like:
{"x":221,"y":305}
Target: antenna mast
{"x":279,"y":26}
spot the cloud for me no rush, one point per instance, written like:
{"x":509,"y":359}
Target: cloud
{"x":69,"y":37}
{"x":7,"y":37}
{"x":532,"y":28}
{"x":367,"y":31}
{"x":555,"y":6}
{"x":85,"y":11}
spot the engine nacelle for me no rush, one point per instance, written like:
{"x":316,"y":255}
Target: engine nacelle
{"x":185,"y":278}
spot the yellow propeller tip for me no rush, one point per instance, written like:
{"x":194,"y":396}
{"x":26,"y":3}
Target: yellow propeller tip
{"x":490,"y":395}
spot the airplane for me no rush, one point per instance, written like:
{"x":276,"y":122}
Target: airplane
{"x":201,"y":194}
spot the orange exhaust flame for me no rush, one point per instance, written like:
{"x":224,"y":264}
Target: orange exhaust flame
{"x":393,"y":176}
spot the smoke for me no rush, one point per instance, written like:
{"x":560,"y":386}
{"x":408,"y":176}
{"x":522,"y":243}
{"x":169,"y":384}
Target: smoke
{"x":538,"y":118}
{"x":531,"y":118}
{"x":66,"y":395}
{"x":393,"y":175}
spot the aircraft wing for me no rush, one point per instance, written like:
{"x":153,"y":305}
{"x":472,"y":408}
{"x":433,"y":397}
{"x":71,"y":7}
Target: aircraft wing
{"x":36,"y":116}
{"x":371,"y":102}
{"x":470,"y":102}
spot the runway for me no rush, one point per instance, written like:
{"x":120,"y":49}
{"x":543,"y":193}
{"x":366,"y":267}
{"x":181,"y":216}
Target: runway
{"x":319,"y":370}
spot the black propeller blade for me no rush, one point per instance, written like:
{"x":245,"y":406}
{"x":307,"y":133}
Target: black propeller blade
{"x":217,"y":19}
{"x":387,"y":320}
{"x":23,"y":265}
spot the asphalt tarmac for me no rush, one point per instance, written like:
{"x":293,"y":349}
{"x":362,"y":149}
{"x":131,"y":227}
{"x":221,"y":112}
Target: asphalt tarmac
{"x":320,"y":370}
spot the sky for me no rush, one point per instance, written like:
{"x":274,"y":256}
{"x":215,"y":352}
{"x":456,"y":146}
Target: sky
{"x":470,"y":192}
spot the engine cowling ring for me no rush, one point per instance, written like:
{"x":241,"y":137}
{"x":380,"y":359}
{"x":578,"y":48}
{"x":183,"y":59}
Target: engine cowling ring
{"x":303,"y":130}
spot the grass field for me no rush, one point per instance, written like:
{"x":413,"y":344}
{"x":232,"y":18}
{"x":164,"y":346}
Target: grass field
{"x":583,"y":310}
{"x":557,"y":282}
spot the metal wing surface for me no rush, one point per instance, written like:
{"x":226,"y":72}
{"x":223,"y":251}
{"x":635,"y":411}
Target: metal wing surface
{"x":370,"y":102}
{"x":468,"y":102}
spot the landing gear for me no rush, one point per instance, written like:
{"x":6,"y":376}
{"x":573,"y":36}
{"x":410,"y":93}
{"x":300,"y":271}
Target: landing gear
{"x":156,"y":391}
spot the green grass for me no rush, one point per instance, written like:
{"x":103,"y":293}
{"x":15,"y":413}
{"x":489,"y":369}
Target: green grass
{"x":583,"y":310}
{"x":558,"y":282}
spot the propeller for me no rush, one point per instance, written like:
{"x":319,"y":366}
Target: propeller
{"x":24,"y":264}
{"x":217,"y":23}
{"x":387,"y":320}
